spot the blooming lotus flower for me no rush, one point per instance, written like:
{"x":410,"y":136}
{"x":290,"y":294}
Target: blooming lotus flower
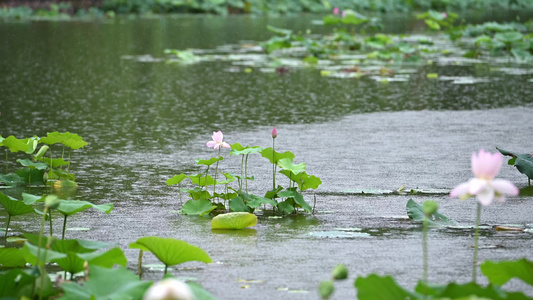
{"x":169,"y":289}
{"x":217,"y":142}
{"x":274,"y":133}
{"x":444,"y":15}
{"x":485,"y":166}
{"x":335,"y":10}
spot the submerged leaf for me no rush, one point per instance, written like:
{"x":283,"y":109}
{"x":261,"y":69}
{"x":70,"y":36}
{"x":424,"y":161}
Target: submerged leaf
{"x":234,"y":220}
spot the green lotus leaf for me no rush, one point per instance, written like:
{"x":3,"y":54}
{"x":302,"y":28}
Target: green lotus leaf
{"x":255,"y":201}
{"x":508,"y":37}
{"x":57,"y":162}
{"x":500,"y":273}
{"x":237,"y":205}
{"x":44,"y":256}
{"x":68,"y":139}
{"x":70,"y":207}
{"x":172,"y":251}
{"x":286,"y":207}
{"x":200,"y":180}
{"x":197,"y":193}
{"x":197,"y":207}
{"x":12,"y":179}
{"x":15,"y":207}
{"x":15,"y":145}
{"x":523,"y":162}
{"x":12,"y":257}
{"x":234,"y":220}
{"x":238,"y":149}
{"x":304,"y":180}
{"x":13,"y":282}
{"x":106,"y":259}
{"x":41,"y":152}
{"x":28,"y":163}
{"x":287,"y":164}
{"x":416,"y":213}
{"x":103,"y":283}
{"x":298,"y":199}
{"x":208,"y":162}
{"x":176,"y":179}
{"x":376,"y":287}
{"x":268,"y":153}
{"x":31,"y":176}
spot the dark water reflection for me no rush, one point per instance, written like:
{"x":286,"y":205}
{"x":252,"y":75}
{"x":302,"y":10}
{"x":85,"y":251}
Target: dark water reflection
{"x":69,"y":76}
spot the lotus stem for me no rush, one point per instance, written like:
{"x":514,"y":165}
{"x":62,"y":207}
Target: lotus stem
{"x":216,"y":172}
{"x":64,"y":227}
{"x":50,"y":220}
{"x":7,"y":227}
{"x":7,"y":165}
{"x":246,"y":175}
{"x":476,"y":243}
{"x":179,"y":191}
{"x":68,"y":166}
{"x":166,"y":268}
{"x":529,"y":181}
{"x":240,"y":179}
{"x":62,"y":156}
{"x":314,"y":204}
{"x":140,"y":265}
{"x":425,"y":253}
{"x":37,"y":261}
{"x":273,"y":164}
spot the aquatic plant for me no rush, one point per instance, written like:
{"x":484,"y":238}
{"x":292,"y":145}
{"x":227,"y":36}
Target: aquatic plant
{"x":327,"y":287}
{"x":522,"y":162}
{"x":486,"y":188}
{"x":234,"y":220}
{"x":169,"y":288}
{"x":239,"y":199}
{"x":14,"y":207}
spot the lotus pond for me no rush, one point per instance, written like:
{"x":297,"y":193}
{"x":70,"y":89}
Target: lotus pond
{"x":377,"y":133}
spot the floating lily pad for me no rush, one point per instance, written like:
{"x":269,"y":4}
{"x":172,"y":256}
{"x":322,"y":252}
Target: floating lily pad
{"x":338,"y":234}
{"x":234,"y":220}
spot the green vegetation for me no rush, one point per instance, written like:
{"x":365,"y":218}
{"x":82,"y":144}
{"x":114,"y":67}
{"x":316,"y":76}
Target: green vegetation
{"x":257,"y":7}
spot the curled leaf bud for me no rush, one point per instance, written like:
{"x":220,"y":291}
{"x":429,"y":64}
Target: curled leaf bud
{"x":51,"y":201}
{"x":274,"y":133}
{"x":340,"y":272}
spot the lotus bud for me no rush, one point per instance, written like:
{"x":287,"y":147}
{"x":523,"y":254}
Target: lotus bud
{"x":274,"y":133}
{"x":169,"y":289}
{"x":326,"y":288}
{"x":340,"y":272}
{"x":51,"y":201}
{"x":429,"y":207}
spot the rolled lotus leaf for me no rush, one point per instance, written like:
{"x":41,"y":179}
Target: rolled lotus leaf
{"x":234,"y":220}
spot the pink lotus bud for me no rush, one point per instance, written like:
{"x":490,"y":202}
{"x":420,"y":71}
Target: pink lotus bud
{"x":335,"y":10}
{"x":445,"y":15}
{"x":274,"y":133}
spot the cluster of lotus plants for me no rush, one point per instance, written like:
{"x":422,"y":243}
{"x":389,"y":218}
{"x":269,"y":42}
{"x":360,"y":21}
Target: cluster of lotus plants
{"x":225,"y":191}
{"x":86,"y":268}
{"x":486,"y":188}
{"x":48,"y":158}
{"x":356,"y":33}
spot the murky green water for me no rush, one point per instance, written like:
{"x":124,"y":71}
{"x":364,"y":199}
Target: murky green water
{"x":148,"y":121}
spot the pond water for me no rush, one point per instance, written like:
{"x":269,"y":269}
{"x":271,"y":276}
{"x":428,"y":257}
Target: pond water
{"x":148,"y":121}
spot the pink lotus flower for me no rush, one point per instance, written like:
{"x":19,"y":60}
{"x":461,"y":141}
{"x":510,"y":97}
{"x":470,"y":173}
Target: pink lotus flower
{"x":217,"y":142}
{"x":274,"y":133}
{"x":335,"y":10}
{"x":444,"y":15}
{"x":485,"y":166}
